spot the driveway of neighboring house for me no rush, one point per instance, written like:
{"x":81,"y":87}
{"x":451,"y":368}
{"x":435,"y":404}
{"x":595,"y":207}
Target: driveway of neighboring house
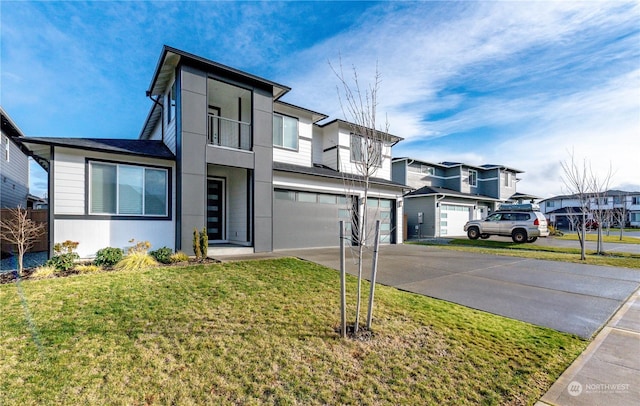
{"x":568,"y":297}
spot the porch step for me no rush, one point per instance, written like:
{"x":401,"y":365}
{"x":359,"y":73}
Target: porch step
{"x":226,"y":250}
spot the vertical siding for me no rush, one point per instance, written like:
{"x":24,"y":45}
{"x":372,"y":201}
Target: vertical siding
{"x":14,"y":182}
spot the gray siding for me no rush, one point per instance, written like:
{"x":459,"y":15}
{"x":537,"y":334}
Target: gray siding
{"x":399,"y":172}
{"x":263,"y":174}
{"x":192,"y":108}
{"x":427,"y":206}
{"x":14,"y":182}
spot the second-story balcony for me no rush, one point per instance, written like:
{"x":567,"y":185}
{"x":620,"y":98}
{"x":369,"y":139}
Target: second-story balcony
{"x":229,"y":133}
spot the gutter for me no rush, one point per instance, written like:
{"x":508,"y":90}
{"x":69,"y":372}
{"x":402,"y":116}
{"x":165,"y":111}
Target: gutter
{"x":157,"y":103}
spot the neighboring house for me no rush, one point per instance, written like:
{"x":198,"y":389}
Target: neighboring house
{"x":448,"y":194}
{"x":218,"y":151}
{"x":14,"y":166}
{"x":559,"y":209}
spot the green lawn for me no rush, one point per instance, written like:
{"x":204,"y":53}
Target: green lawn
{"x":592,"y":236}
{"x":625,"y":260}
{"x":259,"y":332}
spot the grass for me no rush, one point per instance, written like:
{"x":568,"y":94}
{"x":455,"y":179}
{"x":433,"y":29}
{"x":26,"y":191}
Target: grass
{"x":611,"y":238}
{"x":259,"y":332}
{"x":563,"y":254}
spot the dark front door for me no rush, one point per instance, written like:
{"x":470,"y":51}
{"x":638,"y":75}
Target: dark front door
{"x":215,"y":209}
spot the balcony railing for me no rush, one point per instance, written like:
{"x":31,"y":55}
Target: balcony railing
{"x":228,"y":133}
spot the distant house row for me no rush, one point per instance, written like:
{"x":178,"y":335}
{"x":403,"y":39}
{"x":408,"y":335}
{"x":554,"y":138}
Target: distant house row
{"x":560,"y":209}
{"x":221,"y":151}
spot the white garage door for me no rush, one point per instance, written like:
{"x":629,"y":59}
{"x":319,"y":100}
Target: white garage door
{"x":453,"y":219}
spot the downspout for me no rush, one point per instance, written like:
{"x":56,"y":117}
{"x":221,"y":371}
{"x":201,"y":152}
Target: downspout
{"x":438,"y":200}
{"x":157,"y":103}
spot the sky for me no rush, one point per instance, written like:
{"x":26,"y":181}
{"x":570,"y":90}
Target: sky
{"x":523,"y":84}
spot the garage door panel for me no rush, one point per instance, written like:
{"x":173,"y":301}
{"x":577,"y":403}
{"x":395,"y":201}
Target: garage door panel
{"x":453,"y":219}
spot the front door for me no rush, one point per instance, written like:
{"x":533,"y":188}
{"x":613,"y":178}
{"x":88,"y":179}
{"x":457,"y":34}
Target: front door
{"x":215,"y":209}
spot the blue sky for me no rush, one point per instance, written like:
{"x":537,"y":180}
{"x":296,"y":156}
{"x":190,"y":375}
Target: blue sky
{"x":520,"y":84}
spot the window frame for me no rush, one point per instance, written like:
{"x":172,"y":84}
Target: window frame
{"x":120,"y":216}
{"x":473,"y":174}
{"x":285,"y":116}
{"x":363,"y":147}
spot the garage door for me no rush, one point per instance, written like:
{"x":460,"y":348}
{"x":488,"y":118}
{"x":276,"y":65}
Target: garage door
{"x":453,"y":219}
{"x":306,"y":219}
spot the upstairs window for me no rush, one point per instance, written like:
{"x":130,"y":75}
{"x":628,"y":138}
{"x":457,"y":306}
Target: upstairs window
{"x":551,"y":203}
{"x":171,"y":101}
{"x":635,"y":200}
{"x":508,"y":179}
{"x":285,"y":132}
{"x":128,"y":190}
{"x":473,"y":178}
{"x":366,"y":151}
{"x":7,"y":147}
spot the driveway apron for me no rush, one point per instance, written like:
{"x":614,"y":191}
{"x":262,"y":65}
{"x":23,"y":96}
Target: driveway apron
{"x":572,"y":298}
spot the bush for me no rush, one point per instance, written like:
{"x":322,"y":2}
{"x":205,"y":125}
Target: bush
{"x":179,"y":257}
{"x":63,"y":262}
{"x":162,"y":255}
{"x":44,"y":271}
{"x":66,"y":247}
{"x":196,"y":243}
{"x":108,"y":256}
{"x":88,"y":268}
{"x":135,"y":261}
{"x":204,"y":243}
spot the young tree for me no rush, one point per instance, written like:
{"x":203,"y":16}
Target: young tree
{"x":368,"y":139}
{"x":18,"y":229}
{"x":600,"y":210}
{"x":576,"y":180}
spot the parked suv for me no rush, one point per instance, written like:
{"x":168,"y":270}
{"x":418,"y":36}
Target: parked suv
{"x":521,"y":222}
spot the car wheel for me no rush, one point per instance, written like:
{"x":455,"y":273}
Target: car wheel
{"x":473,"y":233}
{"x":484,"y":236}
{"x":519,"y":236}
{"x":532,"y":239}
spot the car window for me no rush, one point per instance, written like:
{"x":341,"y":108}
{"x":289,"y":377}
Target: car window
{"x":494,"y":217}
{"x":508,"y":217}
{"x":522,"y":216}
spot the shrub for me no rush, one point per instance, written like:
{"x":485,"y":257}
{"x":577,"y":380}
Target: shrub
{"x":87,"y":268}
{"x":65,"y":247}
{"x":204,"y":243}
{"x":45,"y":271}
{"x":108,"y":256}
{"x":135,"y":261}
{"x":63,"y":262}
{"x":140,"y":246}
{"x":196,"y":243}
{"x":162,"y":255}
{"x":179,"y":257}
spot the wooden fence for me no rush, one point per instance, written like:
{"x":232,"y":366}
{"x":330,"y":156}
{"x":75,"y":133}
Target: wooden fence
{"x":41,"y":216}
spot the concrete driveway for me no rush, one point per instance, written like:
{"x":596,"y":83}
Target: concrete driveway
{"x":572,"y":298}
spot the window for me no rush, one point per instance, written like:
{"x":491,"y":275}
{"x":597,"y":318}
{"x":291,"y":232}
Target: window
{"x":507,"y":179}
{"x":421,"y":169}
{"x":473,"y":178}
{"x":366,"y":150}
{"x":551,"y":203}
{"x":128,"y":190}
{"x":285,"y":131}
{"x":171,"y":111}
{"x":635,"y":200}
{"x":7,"y":147}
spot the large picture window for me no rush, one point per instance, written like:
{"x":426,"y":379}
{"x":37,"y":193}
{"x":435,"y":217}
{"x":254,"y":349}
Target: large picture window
{"x":285,"y":131}
{"x":128,"y":190}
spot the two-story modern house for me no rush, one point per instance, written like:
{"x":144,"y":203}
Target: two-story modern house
{"x":618,"y":203}
{"x":219,"y":150}
{"x":448,"y":194}
{"x":14,"y":165}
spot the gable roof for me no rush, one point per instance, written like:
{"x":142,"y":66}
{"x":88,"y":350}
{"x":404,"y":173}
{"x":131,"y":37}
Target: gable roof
{"x":449,"y":164}
{"x":393,"y":138}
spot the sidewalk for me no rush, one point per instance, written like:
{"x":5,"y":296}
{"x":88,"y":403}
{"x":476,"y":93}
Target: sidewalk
{"x":608,"y":371}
